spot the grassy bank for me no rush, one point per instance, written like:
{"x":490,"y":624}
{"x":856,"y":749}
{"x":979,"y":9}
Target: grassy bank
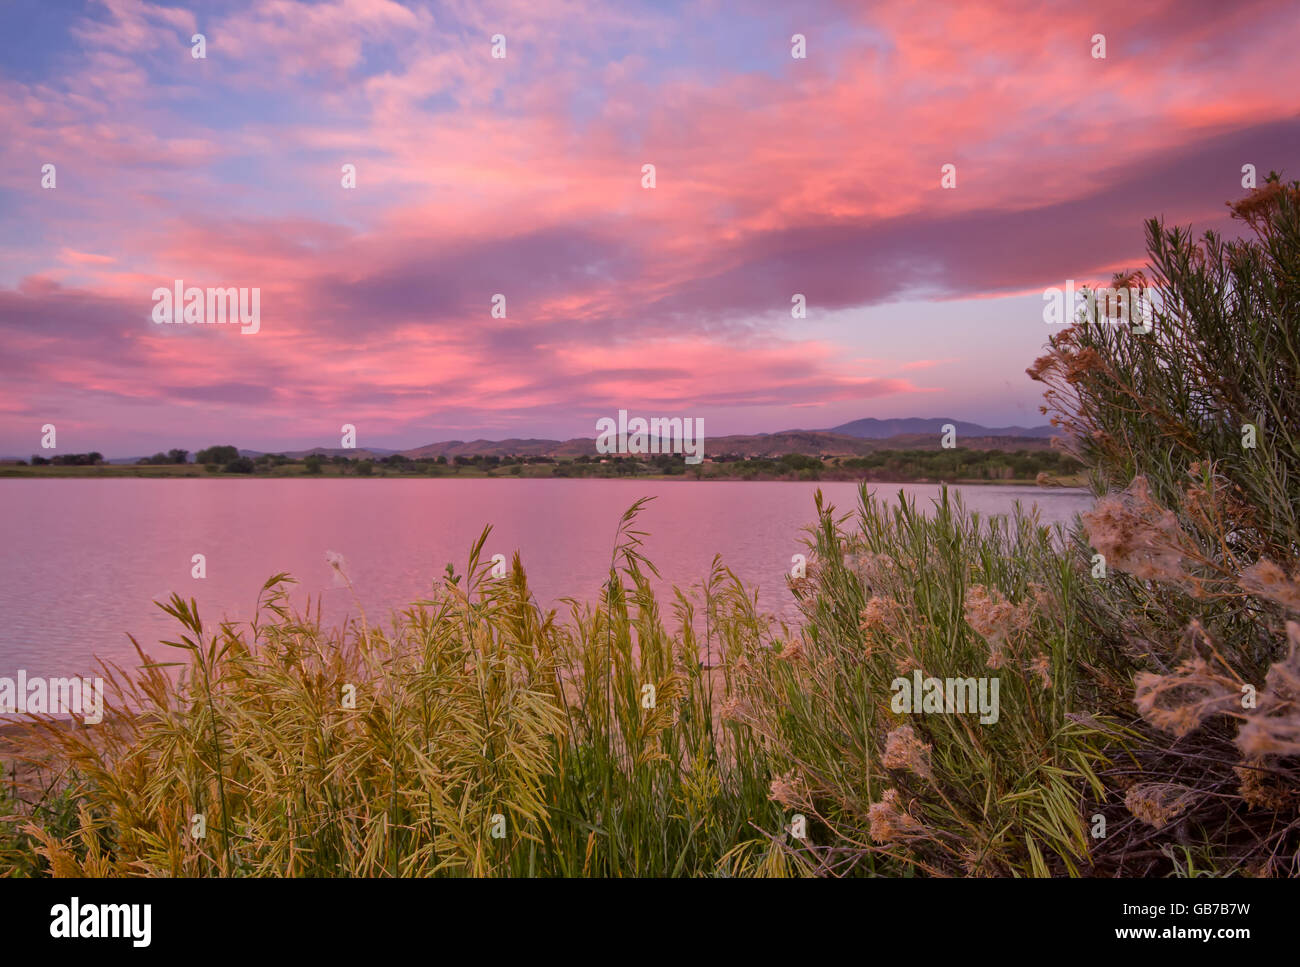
{"x":894,"y":466}
{"x":627,"y":737}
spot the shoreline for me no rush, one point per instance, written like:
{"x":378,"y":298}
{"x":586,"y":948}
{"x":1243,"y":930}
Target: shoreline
{"x":83,"y":473}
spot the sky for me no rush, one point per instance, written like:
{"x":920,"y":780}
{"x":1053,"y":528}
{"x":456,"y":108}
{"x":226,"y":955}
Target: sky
{"x":522,"y":175}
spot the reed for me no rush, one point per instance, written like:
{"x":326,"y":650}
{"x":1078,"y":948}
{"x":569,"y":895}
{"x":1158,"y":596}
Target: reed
{"x":489,"y":737}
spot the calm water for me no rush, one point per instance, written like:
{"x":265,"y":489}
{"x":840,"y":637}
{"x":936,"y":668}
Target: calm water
{"x":83,"y":559}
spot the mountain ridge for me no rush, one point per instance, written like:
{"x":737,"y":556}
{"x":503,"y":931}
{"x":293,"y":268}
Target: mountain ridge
{"x":874,"y":429}
{"x":855,"y":438}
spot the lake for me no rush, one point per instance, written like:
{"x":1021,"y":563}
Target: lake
{"x":85,"y":558}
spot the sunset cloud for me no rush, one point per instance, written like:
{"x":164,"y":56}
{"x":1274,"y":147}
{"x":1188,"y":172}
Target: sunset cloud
{"x":522,"y":176}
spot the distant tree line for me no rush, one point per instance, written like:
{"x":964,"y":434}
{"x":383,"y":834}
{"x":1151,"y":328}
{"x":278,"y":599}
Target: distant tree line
{"x":964,"y":464}
{"x":899,"y":465}
{"x":170,"y":457}
{"x":92,"y":459}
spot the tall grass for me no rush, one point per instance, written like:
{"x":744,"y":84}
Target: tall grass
{"x":605,"y":744}
{"x":938,"y":794}
{"x":456,"y":713}
{"x":486,"y":738}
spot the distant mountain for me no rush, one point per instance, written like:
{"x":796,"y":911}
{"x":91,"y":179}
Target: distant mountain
{"x":848,"y":439}
{"x":873,"y":429}
{"x":501,"y":448}
{"x":814,"y":443}
{"x":806,"y":442}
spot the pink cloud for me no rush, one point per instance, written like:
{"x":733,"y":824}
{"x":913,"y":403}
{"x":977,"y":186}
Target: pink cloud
{"x":522,"y":176}
{"x":85,"y":258}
